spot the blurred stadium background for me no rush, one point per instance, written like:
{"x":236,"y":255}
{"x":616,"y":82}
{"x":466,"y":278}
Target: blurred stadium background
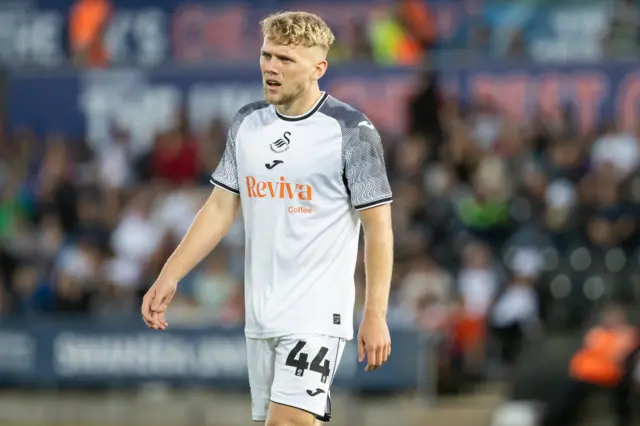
{"x":512,"y":136}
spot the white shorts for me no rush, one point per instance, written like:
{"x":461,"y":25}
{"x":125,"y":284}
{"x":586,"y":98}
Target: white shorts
{"x":294,"y":370}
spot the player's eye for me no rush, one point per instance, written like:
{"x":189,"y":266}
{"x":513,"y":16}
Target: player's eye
{"x":286,"y":60}
{"x":266,"y":55}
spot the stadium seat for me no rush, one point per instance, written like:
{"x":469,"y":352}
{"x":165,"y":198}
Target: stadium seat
{"x":558,"y":309}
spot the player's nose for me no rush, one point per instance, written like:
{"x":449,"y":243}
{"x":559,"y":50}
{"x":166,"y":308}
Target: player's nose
{"x":270,"y":72}
{"x":269,"y":68}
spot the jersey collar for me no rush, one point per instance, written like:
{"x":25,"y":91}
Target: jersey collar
{"x":308,"y":114}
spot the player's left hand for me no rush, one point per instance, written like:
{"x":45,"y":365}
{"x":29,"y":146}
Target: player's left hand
{"x":374,"y":341}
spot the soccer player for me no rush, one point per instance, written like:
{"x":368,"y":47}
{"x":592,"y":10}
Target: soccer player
{"x":307,"y":170}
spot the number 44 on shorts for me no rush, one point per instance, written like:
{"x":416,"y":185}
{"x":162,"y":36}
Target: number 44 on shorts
{"x":298,"y":360}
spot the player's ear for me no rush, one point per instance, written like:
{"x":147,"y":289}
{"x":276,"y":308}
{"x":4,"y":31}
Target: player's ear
{"x":321,"y":68}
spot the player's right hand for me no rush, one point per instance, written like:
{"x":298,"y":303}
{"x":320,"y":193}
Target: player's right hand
{"x":156,"y":302}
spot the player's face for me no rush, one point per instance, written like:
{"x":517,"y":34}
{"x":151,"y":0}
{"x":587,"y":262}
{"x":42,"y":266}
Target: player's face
{"x":287,"y":72}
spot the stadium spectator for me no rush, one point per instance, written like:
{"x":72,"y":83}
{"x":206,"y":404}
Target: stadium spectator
{"x":88,"y":22}
{"x":425,"y":294}
{"x":618,"y":149}
{"x":478,"y":283}
{"x":425,"y":108}
{"x":137,"y":241}
{"x":417,"y":18}
{"x":603,"y":362}
{"x":483,"y":209}
{"x":399,"y":36}
{"x":175,"y":158}
{"x":514,"y":317}
{"x":75,"y":275}
{"x":54,"y":189}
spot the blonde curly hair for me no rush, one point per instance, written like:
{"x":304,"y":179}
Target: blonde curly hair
{"x":297,"y":29}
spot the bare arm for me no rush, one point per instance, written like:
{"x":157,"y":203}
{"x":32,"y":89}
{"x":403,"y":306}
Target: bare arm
{"x":210,"y":225}
{"x":367,"y":185}
{"x":378,"y":253}
{"x":207,"y":229}
{"x":370,"y":195}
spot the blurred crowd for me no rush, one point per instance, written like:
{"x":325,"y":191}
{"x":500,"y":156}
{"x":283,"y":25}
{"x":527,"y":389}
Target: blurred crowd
{"x":506,"y":230}
{"x":86,"y":230}
{"x":503,"y":229}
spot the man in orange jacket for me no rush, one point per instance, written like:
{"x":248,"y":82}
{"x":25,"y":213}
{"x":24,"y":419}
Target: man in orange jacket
{"x":87,"y":23}
{"x":603,"y":362}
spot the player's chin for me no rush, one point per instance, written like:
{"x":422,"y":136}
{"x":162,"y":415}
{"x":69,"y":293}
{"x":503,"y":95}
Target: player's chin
{"x":273,"y":97}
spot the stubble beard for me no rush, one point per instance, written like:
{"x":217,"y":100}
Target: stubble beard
{"x":283,"y":98}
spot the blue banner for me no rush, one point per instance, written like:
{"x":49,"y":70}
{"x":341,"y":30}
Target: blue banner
{"x":145,"y":102}
{"x":557,"y":31}
{"x":153,"y":32}
{"x":80,"y":353}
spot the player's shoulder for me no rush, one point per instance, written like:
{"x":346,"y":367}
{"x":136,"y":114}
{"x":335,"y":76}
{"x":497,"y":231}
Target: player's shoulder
{"x":249,"y":108}
{"x":348,"y":116}
{"x":240,"y":119}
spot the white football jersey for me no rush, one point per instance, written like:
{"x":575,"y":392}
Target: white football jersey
{"x":301,"y":181}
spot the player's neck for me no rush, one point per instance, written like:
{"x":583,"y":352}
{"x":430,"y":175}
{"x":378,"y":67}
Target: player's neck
{"x":302,"y":104}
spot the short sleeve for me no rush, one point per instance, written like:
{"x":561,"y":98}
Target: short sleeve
{"x":364,"y":169}
{"x":226,"y":174}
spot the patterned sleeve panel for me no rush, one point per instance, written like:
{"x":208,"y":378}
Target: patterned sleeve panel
{"x":226,"y":174}
{"x":364,"y":167}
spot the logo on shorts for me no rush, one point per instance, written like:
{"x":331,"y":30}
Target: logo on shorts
{"x":316,"y":392}
{"x":336,"y":319}
{"x":282,"y":144}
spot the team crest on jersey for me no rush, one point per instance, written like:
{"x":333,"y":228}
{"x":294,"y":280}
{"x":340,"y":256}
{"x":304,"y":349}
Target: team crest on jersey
{"x":282,"y":144}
